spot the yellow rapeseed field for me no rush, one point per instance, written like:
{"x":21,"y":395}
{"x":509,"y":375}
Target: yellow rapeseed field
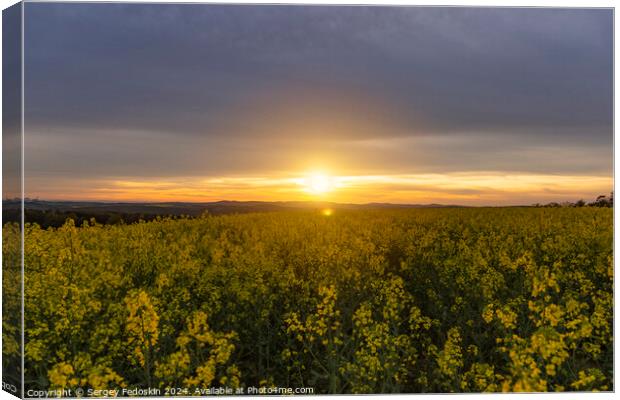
{"x":419,"y":300}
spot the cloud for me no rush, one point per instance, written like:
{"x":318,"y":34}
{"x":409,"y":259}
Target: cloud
{"x":450,"y":188}
{"x":148,"y":90}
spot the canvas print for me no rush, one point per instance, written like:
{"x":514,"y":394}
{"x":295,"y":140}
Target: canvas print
{"x":241,"y":199}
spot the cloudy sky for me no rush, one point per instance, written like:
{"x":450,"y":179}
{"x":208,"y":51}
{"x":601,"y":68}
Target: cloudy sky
{"x":359,"y":104}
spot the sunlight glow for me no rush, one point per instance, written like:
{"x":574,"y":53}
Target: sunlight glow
{"x":318,"y":183}
{"x":473,"y":188}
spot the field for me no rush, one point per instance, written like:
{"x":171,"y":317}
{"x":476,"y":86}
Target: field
{"x":421,"y":300}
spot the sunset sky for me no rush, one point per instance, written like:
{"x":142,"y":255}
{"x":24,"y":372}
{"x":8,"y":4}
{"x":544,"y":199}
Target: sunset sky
{"x":349,"y":104}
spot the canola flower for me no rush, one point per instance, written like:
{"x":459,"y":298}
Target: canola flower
{"x":424,"y":300}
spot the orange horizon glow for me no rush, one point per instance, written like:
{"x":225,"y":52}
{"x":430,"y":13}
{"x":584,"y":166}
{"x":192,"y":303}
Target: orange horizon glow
{"x":449,"y":188}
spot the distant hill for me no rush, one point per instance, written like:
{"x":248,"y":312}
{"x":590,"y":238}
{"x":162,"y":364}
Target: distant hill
{"x":54,"y":213}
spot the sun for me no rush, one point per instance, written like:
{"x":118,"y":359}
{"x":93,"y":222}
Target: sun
{"x":318,"y":183}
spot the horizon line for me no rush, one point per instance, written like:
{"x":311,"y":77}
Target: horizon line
{"x":147,"y":202}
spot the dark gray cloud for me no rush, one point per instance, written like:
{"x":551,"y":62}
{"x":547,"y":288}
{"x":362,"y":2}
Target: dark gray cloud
{"x":11,"y":106}
{"x":487,"y":88}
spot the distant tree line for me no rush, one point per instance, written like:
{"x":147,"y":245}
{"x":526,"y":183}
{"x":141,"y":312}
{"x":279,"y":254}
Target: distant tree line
{"x":57,"y":218}
{"x":601,"y":201}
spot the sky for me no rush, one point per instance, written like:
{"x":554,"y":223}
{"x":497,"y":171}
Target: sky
{"x":178,"y":102}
